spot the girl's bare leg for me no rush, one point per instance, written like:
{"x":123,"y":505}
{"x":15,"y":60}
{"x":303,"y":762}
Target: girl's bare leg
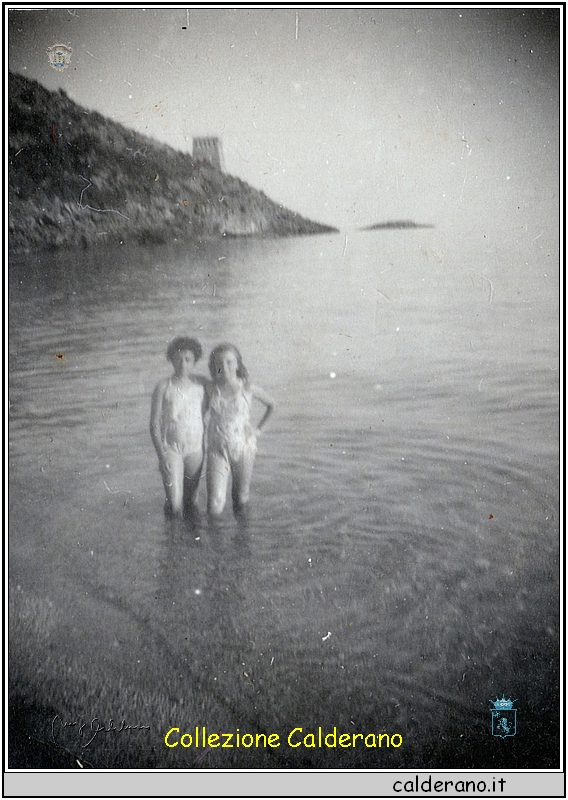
{"x":242,"y":476}
{"x":218,"y":472}
{"x":172,"y":475}
{"x":192,"y":474}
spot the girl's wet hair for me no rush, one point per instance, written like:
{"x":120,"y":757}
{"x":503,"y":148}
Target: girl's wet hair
{"x":242,"y":371}
{"x":181,"y":343}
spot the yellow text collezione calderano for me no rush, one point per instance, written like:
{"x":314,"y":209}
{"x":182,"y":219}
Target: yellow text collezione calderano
{"x":298,"y":737}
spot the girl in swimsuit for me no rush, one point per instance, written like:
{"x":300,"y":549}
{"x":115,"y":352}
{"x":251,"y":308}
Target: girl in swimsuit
{"x":176,"y":426}
{"x":231,"y":438}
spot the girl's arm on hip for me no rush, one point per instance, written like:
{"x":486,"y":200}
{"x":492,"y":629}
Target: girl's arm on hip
{"x":262,"y":396}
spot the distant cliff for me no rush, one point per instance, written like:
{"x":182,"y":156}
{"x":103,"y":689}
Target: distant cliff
{"x":76,"y":178}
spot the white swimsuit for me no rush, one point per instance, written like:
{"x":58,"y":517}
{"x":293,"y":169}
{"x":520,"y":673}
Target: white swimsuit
{"x":182,"y":418}
{"x":230,"y":433}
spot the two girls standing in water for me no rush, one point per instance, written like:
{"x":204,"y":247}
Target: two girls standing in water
{"x":177,"y":427}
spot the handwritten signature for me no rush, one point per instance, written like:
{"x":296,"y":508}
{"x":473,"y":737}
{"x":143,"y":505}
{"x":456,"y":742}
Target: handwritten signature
{"x":92,"y":729}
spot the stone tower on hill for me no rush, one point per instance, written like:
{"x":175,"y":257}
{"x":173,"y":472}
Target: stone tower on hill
{"x":208,"y":148}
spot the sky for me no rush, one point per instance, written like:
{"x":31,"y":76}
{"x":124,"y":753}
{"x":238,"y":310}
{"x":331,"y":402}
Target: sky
{"x":350,"y":116}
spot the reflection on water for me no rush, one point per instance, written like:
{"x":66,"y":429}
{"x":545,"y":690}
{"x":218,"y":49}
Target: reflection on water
{"x":398,"y":566}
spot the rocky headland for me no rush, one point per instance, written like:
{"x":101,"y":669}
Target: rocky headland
{"x":78,"y":179}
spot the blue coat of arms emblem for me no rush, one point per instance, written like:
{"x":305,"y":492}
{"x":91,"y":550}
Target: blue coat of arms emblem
{"x":503,"y":717}
{"x":59,"y":56}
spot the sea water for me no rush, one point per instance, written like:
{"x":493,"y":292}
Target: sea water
{"x":398,"y":568}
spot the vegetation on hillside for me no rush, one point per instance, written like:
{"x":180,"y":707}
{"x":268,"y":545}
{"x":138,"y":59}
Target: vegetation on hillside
{"x":79,"y":179}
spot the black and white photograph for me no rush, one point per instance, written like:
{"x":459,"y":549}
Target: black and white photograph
{"x":283,"y":316}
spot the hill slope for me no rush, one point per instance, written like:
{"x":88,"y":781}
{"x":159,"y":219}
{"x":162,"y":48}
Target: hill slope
{"x":78,"y":179}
